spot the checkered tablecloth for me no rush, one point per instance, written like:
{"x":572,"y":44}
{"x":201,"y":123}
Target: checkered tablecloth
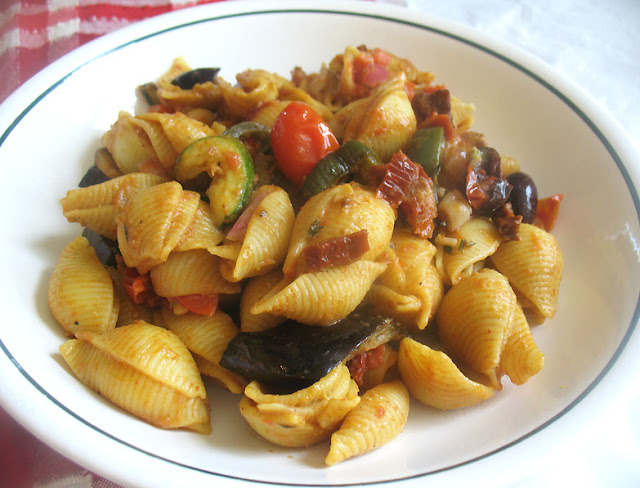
{"x":34,"y":33}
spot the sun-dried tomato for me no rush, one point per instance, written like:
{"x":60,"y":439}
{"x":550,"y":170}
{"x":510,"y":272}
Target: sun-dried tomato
{"x":407,"y":186}
{"x":336,"y":252}
{"x":371,"y":359}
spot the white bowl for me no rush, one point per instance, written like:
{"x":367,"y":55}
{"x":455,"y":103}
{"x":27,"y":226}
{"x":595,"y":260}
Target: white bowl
{"x":51,"y":126}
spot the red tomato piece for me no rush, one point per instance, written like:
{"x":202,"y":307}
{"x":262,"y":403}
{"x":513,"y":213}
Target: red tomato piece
{"x":300,"y":138}
{"x":200,"y":304}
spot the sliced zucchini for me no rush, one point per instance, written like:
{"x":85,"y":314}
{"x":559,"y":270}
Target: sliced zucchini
{"x":336,"y":167}
{"x":228,"y":163}
{"x":248,"y":129}
{"x":427,"y":149}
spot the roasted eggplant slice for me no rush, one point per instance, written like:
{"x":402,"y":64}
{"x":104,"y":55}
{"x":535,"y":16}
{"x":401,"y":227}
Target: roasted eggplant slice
{"x":93,"y":176}
{"x":189,"y":79}
{"x":292,"y":355}
{"x":106,"y":249}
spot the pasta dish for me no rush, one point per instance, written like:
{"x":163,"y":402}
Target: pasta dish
{"x":325,"y":246}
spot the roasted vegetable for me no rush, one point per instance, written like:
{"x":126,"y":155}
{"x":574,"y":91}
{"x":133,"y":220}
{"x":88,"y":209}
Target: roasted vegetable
{"x":486,"y":189}
{"x":93,"y":176}
{"x":427,"y":148}
{"x":294,"y":355}
{"x":106,"y":249}
{"x":243,"y":130}
{"x":229,"y":164}
{"x":189,"y":79}
{"x":336,"y":167}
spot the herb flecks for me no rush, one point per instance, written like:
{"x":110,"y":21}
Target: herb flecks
{"x":315,"y":228}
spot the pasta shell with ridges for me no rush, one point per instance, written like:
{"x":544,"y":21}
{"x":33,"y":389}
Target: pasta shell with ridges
{"x":521,"y":358}
{"x":324,"y":297}
{"x":266,"y":240}
{"x":387,"y":122}
{"x":305,"y":417}
{"x":81,"y":292}
{"x":533,"y":266}
{"x":153,"y":223}
{"x":128,"y":146}
{"x":474,"y":321}
{"x":254,"y":290}
{"x":207,"y":338}
{"x":145,"y":370}
{"x":190,"y":272}
{"x":202,"y":233}
{"x":434,"y":379}
{"x":97,"y":206}
{"x":480,"y":239}
{"x":346,"y":209}
{"x":378,"y":419}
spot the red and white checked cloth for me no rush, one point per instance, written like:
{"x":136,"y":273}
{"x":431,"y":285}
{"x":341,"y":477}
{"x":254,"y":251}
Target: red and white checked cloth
{"x":34,"y":33}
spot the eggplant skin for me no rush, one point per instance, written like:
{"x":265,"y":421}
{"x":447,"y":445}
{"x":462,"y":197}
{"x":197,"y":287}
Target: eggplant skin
{"x":106,"y":249}
{"x":292,"y":355}
{"x":93,"y":176}
{"x":189,"y":79}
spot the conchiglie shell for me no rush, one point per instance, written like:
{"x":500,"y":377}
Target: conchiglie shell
{"x":153,"y":223}
{"x":255,"y":289}
{"x":170,"y":134}
{"x":378,"y":419}
{"x":337,"y":212}
{"x":433,"y":378}
{"x":201,"y":95}
{"x":480,"y":239}
{"x":422,"y":280}
{"x":266,"y":240}
{"x":394,"y":276}
{"x":288,"y":91}
{"x":430,"y":289}
{"x":81,"y":291}
{"x":202,"y":233}
{"x":163,"y":150}
{"x":474,"y":321}
{"x":146,"y":370}
{"x":255,"y":87}
{"x":324,"y":297}
{"x":97,"y":206}
{"x":462,"y":114}
{"x":188,"y":273}
{"x":207,"y":338}
{"x":390,"y":302}
{"x":521,"y":358}
{"x":309,"y":218}
{"x":387,"y":122}
{"x":127,"y":144}
{"x":305,"y":417}
{"x":533,"y":266}
{"x":267,"y":113}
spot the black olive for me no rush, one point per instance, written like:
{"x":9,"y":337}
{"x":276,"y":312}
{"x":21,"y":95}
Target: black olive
{"x":524,"y":196}
{"x":189,"y":79}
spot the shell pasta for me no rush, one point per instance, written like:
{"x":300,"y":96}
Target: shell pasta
{"x":324,"y":247}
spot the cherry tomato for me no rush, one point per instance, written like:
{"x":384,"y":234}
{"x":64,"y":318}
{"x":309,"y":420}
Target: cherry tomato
{"x":300,"y":138}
